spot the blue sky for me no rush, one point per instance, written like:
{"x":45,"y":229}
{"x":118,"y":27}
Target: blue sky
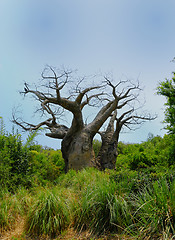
{"x":132,"y":39}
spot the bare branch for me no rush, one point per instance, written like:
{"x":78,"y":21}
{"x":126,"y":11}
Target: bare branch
{"x":113,"y":87}
{"x":126,"y":94}
{"x":45,"y":106}
{"x":56,"y":130}
{"x":134,"y":119}
{"x":84,"y":92}
{"x":88,"y":99}
{"x":126,"y":102}
{"x":28,"y":126}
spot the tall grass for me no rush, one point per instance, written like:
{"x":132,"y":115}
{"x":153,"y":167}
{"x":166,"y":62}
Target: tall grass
{"x":10,"y":209}
{"x":49,"y":215}
{"x":100,"y":208}
{"x":155,"y":208}
{"x":95,"y":201}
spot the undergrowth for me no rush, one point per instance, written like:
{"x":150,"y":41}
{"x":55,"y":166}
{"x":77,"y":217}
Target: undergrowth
{"x":93,"y":201}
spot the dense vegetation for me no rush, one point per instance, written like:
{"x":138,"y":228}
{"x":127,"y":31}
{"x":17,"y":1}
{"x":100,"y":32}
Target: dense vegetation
{"x":167,"y":89}
{"x":26,"y":164}
{"x":137,"y":199}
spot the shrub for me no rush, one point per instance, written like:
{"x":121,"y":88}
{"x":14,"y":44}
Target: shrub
{"x":26,"y":164}
{"x":43,"y":167}
{"x":155,"y":156}
{"x":96,"y":146}
{"x":14,"y":162}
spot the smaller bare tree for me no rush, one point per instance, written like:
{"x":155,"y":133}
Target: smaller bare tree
{"x":110,"y":137}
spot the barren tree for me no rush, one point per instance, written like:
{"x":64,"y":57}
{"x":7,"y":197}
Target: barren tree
{"x":108,"y":152}
{"x":77,"y":139}
{"x":129,"y":118}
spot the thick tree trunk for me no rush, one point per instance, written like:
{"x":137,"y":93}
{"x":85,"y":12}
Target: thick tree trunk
{"x":77,"y":151}
{"x":77,"y":140}
{"x":108,"y":154}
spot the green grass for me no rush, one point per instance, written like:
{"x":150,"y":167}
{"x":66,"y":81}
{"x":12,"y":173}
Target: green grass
{"x":155,"y":208}
{"x":98,"y":202}
{"x":99,"y":207}
{"x":49,"y":215}
{"x":10,"y":209}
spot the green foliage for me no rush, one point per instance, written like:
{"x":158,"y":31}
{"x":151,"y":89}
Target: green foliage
{"x":138,"y":198}
{"x":167,"y":89}
{"x":98,"y":207}
{"x":27,"y":164}
{"x":101,"y":209}
{"x":2,"y":126}
{"x":30,"y":139}
{"x":155,"y":156}
{"x":46,"y":166}
{"x":10,"y":208}
{"x":14,"y":163}
{"x":96,"y":146}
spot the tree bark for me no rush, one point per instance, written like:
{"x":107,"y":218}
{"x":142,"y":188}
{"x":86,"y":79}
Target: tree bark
{"x":108,"y":155}
{"x":77,"y":151}
{"x":108,"y":152}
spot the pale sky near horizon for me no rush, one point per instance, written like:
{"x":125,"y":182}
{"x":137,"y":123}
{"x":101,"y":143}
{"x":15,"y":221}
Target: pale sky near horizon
{"x":134,"y":39}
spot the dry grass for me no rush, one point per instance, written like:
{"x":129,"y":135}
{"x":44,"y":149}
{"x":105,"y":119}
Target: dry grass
{"x":18,"y":233}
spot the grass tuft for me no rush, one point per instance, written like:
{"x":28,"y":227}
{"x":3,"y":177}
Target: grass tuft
{"x":100,"y":208}
{"x":155,"y":206}
{"x":49,"y":215}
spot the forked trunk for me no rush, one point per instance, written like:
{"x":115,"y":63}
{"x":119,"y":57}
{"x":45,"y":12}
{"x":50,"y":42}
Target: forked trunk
{"x":77,"y":151}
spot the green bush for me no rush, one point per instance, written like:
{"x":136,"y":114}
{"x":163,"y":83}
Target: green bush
{"x":27,"y":164}
{"x":155,"y":156}
{"x":14,"y":162}
{"x":130,"y":203}
{"x":96,"y":146}
{"x":45,"y":166}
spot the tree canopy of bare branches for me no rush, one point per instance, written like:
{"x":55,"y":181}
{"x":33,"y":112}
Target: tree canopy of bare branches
{"x":59,"y":91}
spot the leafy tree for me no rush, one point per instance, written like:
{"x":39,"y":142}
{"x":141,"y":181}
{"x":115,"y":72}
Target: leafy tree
{"x":167,"y":89}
